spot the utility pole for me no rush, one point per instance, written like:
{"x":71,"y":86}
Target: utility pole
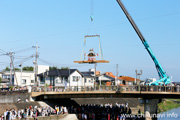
{"x":21,"y":74}
{"x":116,"y":75}
{"x":10,"y":54}
{"x":95,"y":75}
{"x":35,"y":64}
{"x":11,"y":65}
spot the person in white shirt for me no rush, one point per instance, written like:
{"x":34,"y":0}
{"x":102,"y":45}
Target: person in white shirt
{"x":85,"y":116}
{"x":5,"y":113}
{"x":27,"y":100}
{"x":18,"y":100}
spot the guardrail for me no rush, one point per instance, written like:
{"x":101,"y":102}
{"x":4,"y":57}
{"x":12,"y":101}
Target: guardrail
{"x":13,"y":92}
{"x":134,"y":88}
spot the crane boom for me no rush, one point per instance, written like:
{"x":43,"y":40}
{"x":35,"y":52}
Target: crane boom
{"x":162,"y":74}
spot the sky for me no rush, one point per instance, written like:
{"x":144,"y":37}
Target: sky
{"x":59,"y":27}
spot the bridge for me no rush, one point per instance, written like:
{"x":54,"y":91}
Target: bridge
{"x":150,"y":96}
{"x":147,"y":92}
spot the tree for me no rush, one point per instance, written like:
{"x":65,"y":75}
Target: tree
{"x":53,"y":67}
{"x":28,"y":68}
{"x":65,"y":68}
{"x":16,"y":69}
{"x":6,"y":69}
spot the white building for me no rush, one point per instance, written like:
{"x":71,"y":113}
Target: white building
{"x":66,"y":78}
{"x":24,"y":78}
{"x":89,"y":78}
{"x":61,"y":77}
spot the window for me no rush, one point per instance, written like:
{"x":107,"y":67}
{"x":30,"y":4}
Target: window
{"x":76,"y":78}
{"x":85,"y":80}
{"x":130,"y":83}
{"x":42,"y":80}
{"x":32,"y":81}
{"x":58,"y":80}
{"x":91,"y":80}
{"x":24,"y":81}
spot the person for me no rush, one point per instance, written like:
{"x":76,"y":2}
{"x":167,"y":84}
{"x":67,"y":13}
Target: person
{"x":18,"y":100}
{"x":85,"y":116}
{"x":139,"y":111}
{"x":5,"y":113}
{"x":27,"y":100}
{"x":57,"y":109}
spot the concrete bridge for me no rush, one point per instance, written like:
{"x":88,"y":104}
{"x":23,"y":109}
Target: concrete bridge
{"x":146,"y":92}
{"x":106,"y":94}
{"x":150,"y":96}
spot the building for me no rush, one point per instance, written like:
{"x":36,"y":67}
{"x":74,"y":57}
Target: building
{"x":108,"y":78}
{"x":23,"y":78}
{"x":89,"y":78}
{"x":61,"y":78}
{"x":126,"y":80}
{"x":102,"y":79}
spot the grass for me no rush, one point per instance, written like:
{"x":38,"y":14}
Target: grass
{"x":168,"y":104}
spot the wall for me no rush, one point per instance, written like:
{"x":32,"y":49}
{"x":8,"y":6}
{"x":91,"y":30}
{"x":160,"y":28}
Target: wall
{"x":75,"y":83}
{"x":42,"y":68}
{"x":26,"y":75}
{"x":13,"y":98}
{"x":89,"y":81}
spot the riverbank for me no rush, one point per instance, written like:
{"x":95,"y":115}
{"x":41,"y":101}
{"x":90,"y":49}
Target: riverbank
{"x":168,"y":104}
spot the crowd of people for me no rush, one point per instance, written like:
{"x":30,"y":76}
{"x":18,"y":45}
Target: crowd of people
{"x":6,"y":88}
{"x":30,"y":112}
{"x":101,"y":112}
{"x":83,"y":112}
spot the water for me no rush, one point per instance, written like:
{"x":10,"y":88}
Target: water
{"x":173,"y":114}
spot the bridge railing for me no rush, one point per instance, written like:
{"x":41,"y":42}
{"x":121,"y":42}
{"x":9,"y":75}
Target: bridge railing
{"x":13,"y":92}
{"x":134,"y":88}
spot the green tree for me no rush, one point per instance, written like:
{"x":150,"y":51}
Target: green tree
{"x":28,"y":68}
{"x":6,"y":69}
{"x":53,"y":67}
{"x":65,"y":68}
{"x":16,"y":69}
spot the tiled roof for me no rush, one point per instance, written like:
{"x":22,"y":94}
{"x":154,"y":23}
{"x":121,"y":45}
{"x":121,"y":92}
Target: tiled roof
{"x":127,"y":78}
{"x":88,"y":74}
{"x":110,"y":74}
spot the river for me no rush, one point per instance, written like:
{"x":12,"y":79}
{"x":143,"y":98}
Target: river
{"x":173,"y":114}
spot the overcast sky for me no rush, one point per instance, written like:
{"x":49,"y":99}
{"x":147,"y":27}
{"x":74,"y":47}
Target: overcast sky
{"x":59,"y":27}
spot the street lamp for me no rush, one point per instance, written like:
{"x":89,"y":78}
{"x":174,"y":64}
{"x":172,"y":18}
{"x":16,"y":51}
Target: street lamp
{"x":138,"y":74}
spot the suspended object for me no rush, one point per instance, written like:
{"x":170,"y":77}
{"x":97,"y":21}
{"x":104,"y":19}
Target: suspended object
{"x":92,"y":55}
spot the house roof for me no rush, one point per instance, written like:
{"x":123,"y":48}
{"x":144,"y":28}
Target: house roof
{"x":108,"y":74}
{"x":98,"y":72}
{"x":59,"y":72}
{"x":88,"y":74}
{"x":127,"y":78}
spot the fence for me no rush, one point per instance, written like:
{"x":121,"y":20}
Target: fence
{"x":135,"y":88}
{"x":13,"y":92}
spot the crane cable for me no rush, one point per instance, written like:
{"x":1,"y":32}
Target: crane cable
{"x":92,"y":9}
{"x":84,"y":44}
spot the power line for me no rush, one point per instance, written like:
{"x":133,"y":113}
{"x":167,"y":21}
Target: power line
{"x":2,"y":51}
{"x":24,"y":50}
{"x":24,"y":60}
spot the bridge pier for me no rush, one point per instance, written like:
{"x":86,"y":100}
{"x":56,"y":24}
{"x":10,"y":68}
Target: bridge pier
{"x":150,"y":108}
